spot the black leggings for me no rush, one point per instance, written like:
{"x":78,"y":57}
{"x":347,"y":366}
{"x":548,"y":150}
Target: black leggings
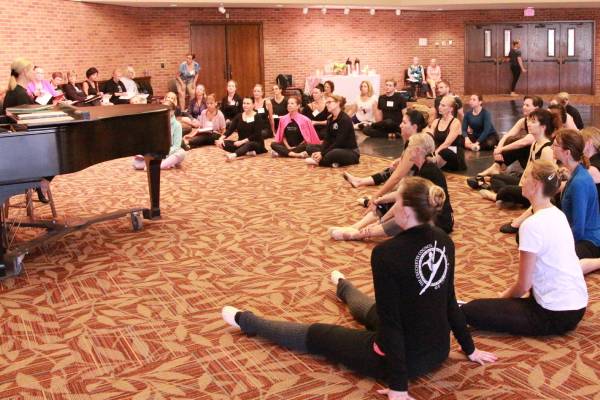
{"x":516,"y":73}
{"x":454,"y":161}
{"x":508,"y":189}
{"x":336,"y":156}
{"x":586,"y":249}
{"x":350,"y":347}
{"x":243,"y":149}
{"x":204,"y":139}
{"x":519,"y":317}
{"x":510,"y":156}
{"x":382,"y":128}
{"x":488,"y":144}
{"x":382,"y":176}
{"x":283,"y":151}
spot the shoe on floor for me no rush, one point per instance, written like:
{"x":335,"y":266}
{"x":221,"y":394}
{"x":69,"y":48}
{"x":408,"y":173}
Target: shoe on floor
{"x":336,"y":276}
{"x":508,"y":228}
{"x":341,"y":233}
{"x":364,"y":201}
{"x":228,"y":313}
{"x":311,"y":161}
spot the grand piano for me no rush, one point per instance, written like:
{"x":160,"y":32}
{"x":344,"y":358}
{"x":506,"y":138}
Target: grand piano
{"x":36,"y":149}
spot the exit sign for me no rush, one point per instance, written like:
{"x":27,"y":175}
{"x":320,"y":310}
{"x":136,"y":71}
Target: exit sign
{"x":529,"y":12}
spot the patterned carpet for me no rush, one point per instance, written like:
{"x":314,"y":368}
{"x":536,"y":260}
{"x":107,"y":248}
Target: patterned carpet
{"x":111,"y":314}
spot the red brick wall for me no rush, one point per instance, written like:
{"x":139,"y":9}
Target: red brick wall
{"x":62,"y":35}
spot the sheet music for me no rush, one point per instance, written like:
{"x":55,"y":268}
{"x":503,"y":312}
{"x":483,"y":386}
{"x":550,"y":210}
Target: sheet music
{"x":43,"y":114}
{"x":43,"y":99}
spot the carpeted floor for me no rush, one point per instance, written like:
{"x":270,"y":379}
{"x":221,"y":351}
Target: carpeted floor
{"x":111,"y":314}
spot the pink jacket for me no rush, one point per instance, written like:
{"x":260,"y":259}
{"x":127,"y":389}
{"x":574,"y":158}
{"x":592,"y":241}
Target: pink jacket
{"x":306,"y":128}
{"x":46,"y":85}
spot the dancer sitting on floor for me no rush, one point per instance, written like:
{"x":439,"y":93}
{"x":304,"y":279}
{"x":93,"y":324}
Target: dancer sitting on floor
{"x":513,"y":146}
{"x":413,"y":122}
{"x":450,"y":149}
{"x":591,"y":138}
{"x":211,"y":125}
{"x":176,"y":153}
{"x":477,"y":127}
{"x":339,"y":147}
{"x":508,"y":188}
{"x":295,"y":133}
{"x":380,"y":221}
{"x":549,"y":270}
{"x":249,"y":128}
{"x":389,"y":113}
{"x":408,"y":330}
{"x":317,"y":110}
{"x":364,"y":107}
{"x":579,"y":199}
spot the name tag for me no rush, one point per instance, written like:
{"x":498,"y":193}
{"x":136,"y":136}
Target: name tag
{"x":390,"y":104}
{"x":261,"y":110}
{"x":233,"y":103}
{"x":291,"y":128}
{"x":335,"y":126}
{"x":249,"y":120}
{"x":316,"y":112}
{"x":452,"y":149}
{"x":275,"y":116}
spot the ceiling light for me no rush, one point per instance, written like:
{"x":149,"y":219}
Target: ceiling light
{"x":324,"y":10}
{"x":372,"y":11}
{"x":398,"y":11}
{"x":346,"y":11}
{"x":305,"y":10}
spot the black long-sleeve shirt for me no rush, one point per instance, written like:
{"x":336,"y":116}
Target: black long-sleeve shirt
{"x":231,"y":108}
{"x":340,"y":134}
{"x":16,"y":97}
{"x":246,"y":130}
{"x":413,"y":275}
{"x":391,"y":106}
{"x":573,"y":112}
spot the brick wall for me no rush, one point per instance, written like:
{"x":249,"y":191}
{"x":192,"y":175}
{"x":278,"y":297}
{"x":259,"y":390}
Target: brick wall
{"x":63,"y":35}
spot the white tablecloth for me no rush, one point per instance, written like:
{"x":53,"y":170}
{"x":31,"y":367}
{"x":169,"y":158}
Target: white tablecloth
{"x":347,"y":86}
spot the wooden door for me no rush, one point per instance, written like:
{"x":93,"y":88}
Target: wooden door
{"x":544,"y":58}
{"x":208,"y":44}
{"x":244,"y":56}
{"x":576,"y":57}
{"x":481,"y":59}
{"x":506,"y":33}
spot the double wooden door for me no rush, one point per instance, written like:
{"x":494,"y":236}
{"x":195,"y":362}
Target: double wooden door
{"x":558,"y":56}
{"x":228,"y":51}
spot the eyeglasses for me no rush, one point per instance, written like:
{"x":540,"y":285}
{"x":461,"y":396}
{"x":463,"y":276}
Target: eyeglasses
{"x":329,"y":102}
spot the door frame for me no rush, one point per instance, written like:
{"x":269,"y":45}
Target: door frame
{"x":521,"y":22}
{"x":226,"y":23}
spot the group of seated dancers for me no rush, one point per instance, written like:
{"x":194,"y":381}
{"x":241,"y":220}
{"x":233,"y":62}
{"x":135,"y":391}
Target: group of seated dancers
{"x":547,"y":163}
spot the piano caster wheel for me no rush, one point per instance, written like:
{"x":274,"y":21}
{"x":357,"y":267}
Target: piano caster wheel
{"x":11,"y":267}
{"x":137,"y":221}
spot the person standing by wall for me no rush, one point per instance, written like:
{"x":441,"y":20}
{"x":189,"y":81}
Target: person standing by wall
{"x":516,"y":64}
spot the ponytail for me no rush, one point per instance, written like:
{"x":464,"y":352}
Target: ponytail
{"x":423,"y":197}
{"x":19,"y":66}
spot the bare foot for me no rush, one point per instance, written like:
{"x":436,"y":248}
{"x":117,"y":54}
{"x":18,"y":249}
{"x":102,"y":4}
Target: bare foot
{"x":351,"y":179}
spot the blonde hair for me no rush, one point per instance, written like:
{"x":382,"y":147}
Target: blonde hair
{"x":591,"y":133}
{"x":422,"y":196}
{"x":562,"y":98}
{"x":338,"y":99}
{"x":546,"y":173}
{"x":18,"y":66}
{"x":174,"y":95}
{"x":423,"y":109}
{"x":422,"y":141}
{"x":369,"y":87}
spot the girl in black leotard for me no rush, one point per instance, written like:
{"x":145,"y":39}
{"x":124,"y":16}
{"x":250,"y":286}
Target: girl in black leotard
{"x":249,"y":129}
{"x":279,"y":105}
{"x":317,"y":111}
{"x":449,"y":152}
{"x":264,"y":111}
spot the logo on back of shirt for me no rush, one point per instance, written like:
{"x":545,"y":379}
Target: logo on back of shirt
{"x":431,"y":267}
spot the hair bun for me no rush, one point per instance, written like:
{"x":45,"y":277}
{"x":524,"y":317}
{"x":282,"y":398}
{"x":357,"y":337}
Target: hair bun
{"x":437,"y":197}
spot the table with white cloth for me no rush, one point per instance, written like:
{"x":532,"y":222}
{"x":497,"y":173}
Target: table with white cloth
{"x":345,"y":85}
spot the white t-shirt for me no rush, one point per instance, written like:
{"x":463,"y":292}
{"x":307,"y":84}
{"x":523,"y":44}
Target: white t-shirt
{"x":558,"y":283}
{"x":364,"y":109}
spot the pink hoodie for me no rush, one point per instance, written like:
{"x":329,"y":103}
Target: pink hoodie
{"x":306,"y":128}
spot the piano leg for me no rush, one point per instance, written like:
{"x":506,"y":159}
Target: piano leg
{"x":153,"y":171}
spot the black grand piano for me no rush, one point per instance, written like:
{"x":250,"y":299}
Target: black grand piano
{"x":34,"y":149}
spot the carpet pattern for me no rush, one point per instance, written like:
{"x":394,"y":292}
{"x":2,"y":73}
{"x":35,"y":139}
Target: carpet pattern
{"x":108,"y":313}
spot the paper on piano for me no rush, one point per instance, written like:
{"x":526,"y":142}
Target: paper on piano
{"x":49,"y":120}
{"x":44,"y":114}
{"x":28,"y":108}
{"x":43,"y":99}
{"x":127,"y":96}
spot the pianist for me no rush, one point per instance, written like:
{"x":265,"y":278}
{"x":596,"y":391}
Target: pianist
{"x":21,"y":74}
{"x":176,"y":153}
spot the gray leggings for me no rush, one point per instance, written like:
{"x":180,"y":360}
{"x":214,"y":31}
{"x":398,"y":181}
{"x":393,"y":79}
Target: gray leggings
{"x":295,"y":336}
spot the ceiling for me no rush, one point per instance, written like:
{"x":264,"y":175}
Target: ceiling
{"x":378,"y":4}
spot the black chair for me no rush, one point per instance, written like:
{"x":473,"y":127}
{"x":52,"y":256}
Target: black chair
{"x":416,"y":89}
